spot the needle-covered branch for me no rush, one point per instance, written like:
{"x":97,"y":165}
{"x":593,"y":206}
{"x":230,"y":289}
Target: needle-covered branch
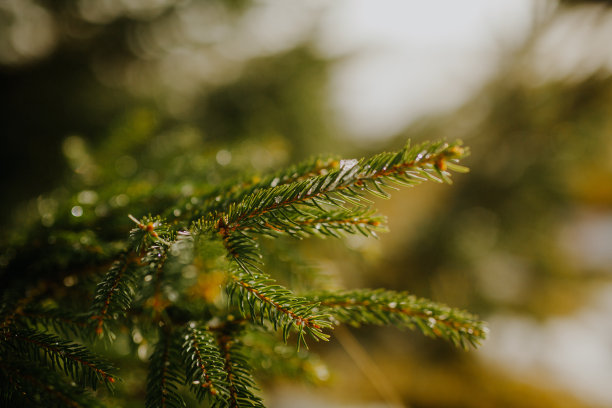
{"x":238,"y":375}
{"x":219,"y":199}
{"x":24,"y":384}
{"x":180,"y":284}
{"x":116,"y":291}
{"x":205,"y":364}
{"x":164,"y":376}
{"x":352,"y":181}
{"x":400,"y":309}
{"x":260,"y":297}
{"x":74,"y":360}
{"x":319,"y":222}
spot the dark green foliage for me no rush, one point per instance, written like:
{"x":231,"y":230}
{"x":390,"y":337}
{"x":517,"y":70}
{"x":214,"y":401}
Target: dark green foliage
{"x":25,"y":384}
{"x":72,"y":359}
{"x":115,"y":293}
{"x":240,"y":381}
{"x":197,"y":286}
{"x":164,"y":375}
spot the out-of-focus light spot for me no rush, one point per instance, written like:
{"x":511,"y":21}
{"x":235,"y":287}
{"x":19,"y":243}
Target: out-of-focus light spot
{"x":75,"y":150}
{"x":27,"y":31}
{"x":70,"y":281}
{"x":120,"y":200}
{"x":321,"y":372}
{"x":189,"y":272}
{"x":137,"y":336}
{"x":143,"y":352}
{"x":172,"y":296}
{"x":74,"y":147}
{"x":47,"y":207}
{"x":87,"y":197}
{"x":223,"y":157}
{"x":77,"y":211}
{"x":187,"y":190}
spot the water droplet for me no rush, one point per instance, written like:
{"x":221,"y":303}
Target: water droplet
{"x":77,"y":211}
{"x":348,"y":164}
{"x":176,"y":212}
{"x":195,"y":382}
{"x":393,"y":305}
{"x":275,"y":182}
{"x":148,"y":278}
{"x":318,"y":226}
{"x":278,"y":199}
{"x":192,"y":325}
{"x":431,"y":322}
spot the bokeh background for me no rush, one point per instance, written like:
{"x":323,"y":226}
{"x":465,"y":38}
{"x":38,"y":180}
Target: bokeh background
{"x":524,"y":240}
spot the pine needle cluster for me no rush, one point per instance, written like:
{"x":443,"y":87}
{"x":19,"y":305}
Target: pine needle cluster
{"x":190,"y":290}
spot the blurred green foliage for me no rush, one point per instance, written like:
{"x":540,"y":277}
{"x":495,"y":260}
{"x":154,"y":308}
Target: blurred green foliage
{"x":492,"y":243}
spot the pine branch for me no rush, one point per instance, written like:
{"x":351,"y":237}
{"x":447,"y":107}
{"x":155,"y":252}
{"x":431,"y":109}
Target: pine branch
{"x":205,"y":364}
{"x":351,"y":181}
{"x":219,"y":199}
{"x":164,"y":376}
{"x":238,"y":375}
{"x":154,"y":261}
{"x":385,"y":307}
{"x":29,"y":385}
{"x":63,"y":322}
{"x":259,"y":295}
{"x":116,"y":291}
{"x":73,"y":359}
{"x":317,"y":222}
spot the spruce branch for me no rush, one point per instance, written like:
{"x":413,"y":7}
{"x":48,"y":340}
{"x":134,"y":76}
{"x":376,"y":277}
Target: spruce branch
{"x":317,"y":222}
{"x":386,"y":307}
{"x":238,"y":375}
{"x":259,"y":295}
{"x":164,"y":376}
{"x":154,"y":261}
{"x":64,"y":322}
{"x":73,"y":359}
{"x":234,"y":191}
{"x":29,"y":385}
{"x":204,"y":363}
{"x":351,"y":181}
{"x":116,"y":291}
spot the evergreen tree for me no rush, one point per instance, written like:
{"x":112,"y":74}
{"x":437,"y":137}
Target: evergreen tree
{"x":191,"y":288}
